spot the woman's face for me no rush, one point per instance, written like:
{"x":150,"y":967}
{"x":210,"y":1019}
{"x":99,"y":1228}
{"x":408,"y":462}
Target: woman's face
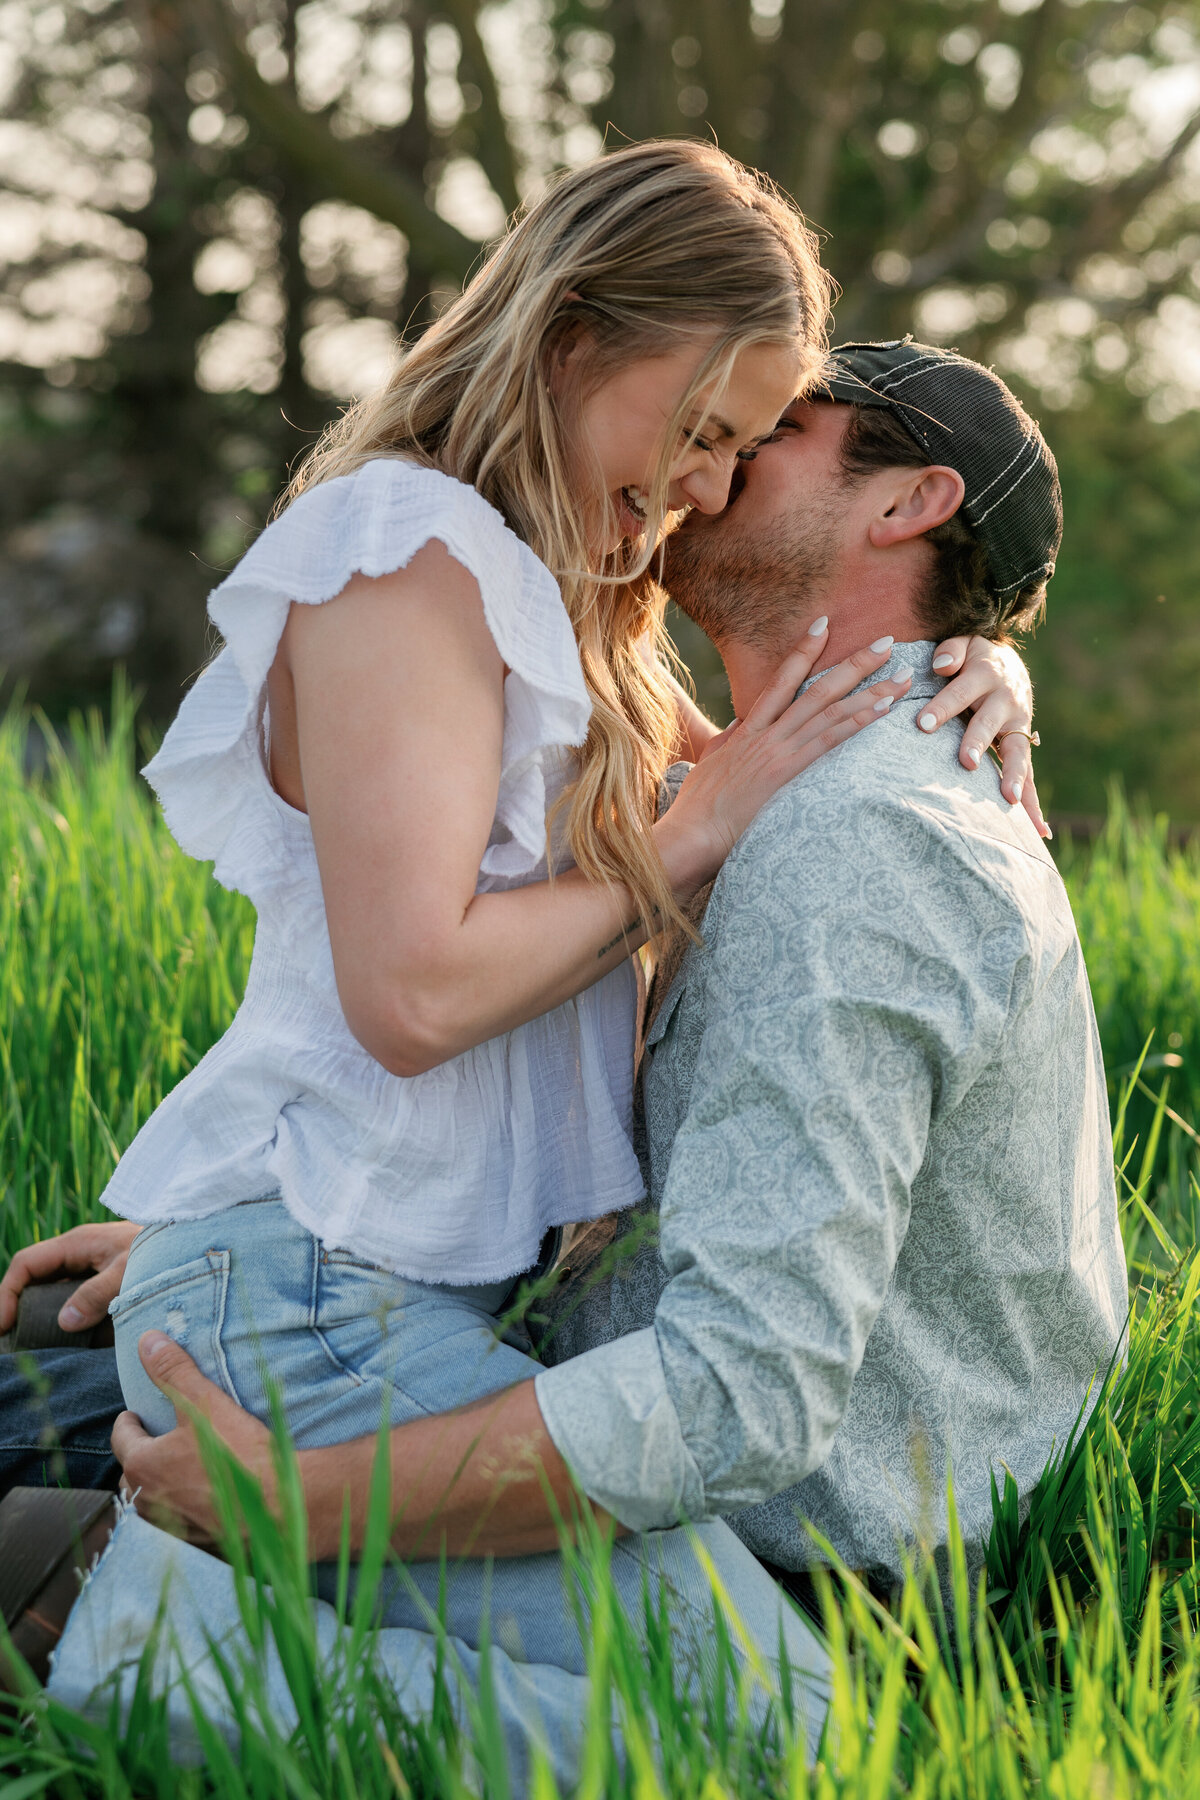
{"x":624,"y":418}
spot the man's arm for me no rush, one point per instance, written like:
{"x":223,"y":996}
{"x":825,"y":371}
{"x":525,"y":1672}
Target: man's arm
{"x":840,"y":1010}
{"x":484,"y":1480}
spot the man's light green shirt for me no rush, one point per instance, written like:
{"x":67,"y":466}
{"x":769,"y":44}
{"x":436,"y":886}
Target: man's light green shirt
{"x":878,"y":1146}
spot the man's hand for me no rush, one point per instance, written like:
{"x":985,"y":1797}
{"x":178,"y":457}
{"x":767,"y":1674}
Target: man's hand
{"x":167,"y":1474}
{"x":483,"y":1480}
{"x":101,"y":1248}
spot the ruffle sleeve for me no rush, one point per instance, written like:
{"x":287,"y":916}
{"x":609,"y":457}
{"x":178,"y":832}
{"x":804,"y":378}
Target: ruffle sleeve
{"x":209,"y":774}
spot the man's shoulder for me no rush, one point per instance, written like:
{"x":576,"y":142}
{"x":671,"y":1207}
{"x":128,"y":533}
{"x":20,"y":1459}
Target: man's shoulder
{"x":891,"y":808}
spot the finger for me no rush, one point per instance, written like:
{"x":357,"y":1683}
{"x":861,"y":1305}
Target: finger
{"x":1033,"y":806}
{"x":806,"y":749}
{"x":837,"y":682}
{"x":791,"y":674}
{"x":987,"y":726}
{"x":129,"y":1438}
{"x":90,"y":1301}
{"x":1016,"y":763}
{"x":880,"y":694}
{"x":75,"y":1252}
{"x":959,"y":696}
{"x":141,"y":1459}
{"x":949,"y":657}
{"x":36,"y":1262}
{"x":172,"y":1370}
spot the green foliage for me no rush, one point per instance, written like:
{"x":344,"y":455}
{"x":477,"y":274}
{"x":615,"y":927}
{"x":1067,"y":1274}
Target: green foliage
{"x":1116,"y":666}
{"x":122,"y":961}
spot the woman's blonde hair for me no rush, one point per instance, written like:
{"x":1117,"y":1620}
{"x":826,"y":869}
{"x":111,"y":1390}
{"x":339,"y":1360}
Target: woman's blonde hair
{"x":631,"y":253}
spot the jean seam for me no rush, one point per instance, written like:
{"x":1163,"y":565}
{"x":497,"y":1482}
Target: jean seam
{"x":56,"y":1449}
{"x":315,"y":1253}
{"x":678,"y":1596}
{"x":364,"y":1381}
{"x":320,"y":1259}
{"x":219,"y":1262}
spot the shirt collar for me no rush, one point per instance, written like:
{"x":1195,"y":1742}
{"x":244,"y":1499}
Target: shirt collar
{"x":915,"y":659}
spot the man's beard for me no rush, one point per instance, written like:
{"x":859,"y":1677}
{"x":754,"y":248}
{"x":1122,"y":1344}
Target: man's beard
{"x":744,"y":585}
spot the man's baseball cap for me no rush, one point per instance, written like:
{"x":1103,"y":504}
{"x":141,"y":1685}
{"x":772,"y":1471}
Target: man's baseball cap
{"x":961,"y":415}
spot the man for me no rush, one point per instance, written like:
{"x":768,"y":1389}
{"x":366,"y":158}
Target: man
{"x":877,"y":1132}
{"x":875,"y":1112}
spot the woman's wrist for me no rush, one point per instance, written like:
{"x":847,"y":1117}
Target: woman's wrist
{"x":687,"y":855}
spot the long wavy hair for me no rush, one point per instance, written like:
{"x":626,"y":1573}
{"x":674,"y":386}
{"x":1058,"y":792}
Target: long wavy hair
{"x":634,"y":254}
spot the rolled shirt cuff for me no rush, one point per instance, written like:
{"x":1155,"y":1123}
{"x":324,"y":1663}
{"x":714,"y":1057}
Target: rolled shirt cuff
{"x":615,"y":1425}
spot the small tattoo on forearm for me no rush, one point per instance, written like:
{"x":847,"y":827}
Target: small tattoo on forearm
{"x":620,"y":938}
{"x":639,"y":924}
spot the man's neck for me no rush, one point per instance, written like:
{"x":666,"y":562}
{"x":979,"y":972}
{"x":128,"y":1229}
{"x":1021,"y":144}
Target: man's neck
{"x":876,"y":609}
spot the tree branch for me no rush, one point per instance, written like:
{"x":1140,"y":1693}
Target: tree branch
{"x":495,"y":147}
{"x":331,"y":163}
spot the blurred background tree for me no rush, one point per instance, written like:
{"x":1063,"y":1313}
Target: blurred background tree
{"x":218,"y":215}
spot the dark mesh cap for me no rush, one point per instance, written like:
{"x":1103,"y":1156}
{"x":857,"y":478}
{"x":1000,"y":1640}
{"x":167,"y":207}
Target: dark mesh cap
{"x":963,"y":416}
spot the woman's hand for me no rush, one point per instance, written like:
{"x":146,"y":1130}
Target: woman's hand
{"x":102,"y":1249}
{"x":992,"y":682}
{"x":783,"y":733}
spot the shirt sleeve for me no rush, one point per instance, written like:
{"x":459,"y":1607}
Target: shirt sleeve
{"x":839,"y":1012}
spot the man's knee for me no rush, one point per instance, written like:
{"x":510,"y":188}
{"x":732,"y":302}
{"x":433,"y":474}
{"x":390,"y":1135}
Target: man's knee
{"x":57,"y":1409}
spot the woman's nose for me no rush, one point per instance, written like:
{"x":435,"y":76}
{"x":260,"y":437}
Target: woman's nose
{"x":707,"y":487}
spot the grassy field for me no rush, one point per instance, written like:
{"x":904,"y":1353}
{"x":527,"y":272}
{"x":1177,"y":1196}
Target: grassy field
{"x":122,"y":962}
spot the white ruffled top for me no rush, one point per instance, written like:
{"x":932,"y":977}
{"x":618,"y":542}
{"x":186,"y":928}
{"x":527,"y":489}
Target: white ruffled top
{"x":450,"y":1176}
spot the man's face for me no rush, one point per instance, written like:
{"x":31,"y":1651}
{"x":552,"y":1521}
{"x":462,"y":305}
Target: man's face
{"x":743,"y":573}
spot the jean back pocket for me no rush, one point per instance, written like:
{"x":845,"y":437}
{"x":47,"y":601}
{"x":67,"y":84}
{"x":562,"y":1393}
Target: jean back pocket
{"x":187,"y":1303}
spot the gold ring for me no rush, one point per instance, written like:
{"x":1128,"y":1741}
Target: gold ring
{"x":1034,"y":740}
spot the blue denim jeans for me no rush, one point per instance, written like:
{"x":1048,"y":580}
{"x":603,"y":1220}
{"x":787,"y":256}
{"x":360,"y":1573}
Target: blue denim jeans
{"x":56,"y":1416}
{"x":255,"y":1299}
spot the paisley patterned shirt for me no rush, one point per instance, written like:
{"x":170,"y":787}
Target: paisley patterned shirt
{"x":877,"y":1143}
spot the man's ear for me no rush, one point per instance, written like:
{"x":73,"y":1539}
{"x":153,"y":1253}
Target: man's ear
{"x":927,"y":497}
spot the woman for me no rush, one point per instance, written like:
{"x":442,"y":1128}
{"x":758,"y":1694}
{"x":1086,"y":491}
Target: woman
{"x":432,"y":1067}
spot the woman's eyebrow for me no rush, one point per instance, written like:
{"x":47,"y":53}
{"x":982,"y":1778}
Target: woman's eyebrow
{"x":711,"y":426}
{"x":714,"y":427}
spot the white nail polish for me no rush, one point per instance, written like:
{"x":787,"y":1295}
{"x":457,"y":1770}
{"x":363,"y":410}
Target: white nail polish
{"x":974,"y":755}
{"x":882,"y":644}
{"x":1016,"y":799}
{"x":882,"y":705}
{"x":818,"y":626}
{"x":928,"y":721}
{"x":943,"y":662}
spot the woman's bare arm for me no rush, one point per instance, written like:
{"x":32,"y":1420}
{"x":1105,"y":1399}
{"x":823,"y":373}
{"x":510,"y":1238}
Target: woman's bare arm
{"x":399,"y":710}
{"x":696,"y":729}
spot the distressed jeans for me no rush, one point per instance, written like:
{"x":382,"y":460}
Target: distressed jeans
{"x":257,"y":1300}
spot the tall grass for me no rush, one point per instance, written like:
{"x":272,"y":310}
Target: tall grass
{"x":1137,"y":902}
{"x":121,"y":962}
{"x":1075,"y":1671}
